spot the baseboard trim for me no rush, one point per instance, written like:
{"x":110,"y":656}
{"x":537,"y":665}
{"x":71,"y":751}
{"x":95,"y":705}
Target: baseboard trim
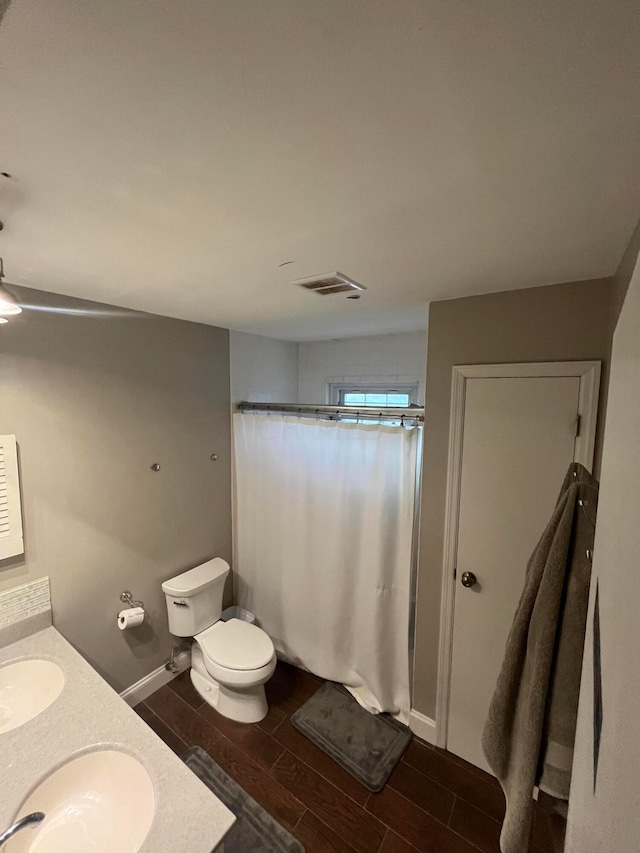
{"x":139,"y":691}
{"x":423,"y":727}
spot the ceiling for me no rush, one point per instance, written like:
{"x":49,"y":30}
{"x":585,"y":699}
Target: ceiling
{"x":171,"y":156}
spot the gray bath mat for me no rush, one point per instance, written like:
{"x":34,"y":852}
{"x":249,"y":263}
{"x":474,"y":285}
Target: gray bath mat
{"x":367,"y":745}
{"x":254,"y":831}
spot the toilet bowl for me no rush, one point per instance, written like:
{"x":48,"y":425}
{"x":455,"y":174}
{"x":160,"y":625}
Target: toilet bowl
{"x":230,"y":661}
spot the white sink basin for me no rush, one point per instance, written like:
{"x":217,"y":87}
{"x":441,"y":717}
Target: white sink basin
{"x":26,"y":689}
{"x":100,"y":802}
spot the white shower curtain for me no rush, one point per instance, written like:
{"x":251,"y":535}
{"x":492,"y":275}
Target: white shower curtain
{"x":324,"y":519}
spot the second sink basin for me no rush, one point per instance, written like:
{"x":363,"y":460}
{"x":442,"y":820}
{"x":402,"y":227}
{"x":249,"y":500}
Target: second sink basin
{"x":99,"y":802}
{"x":27,"y":688}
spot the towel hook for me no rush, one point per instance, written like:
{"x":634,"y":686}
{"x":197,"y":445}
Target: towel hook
{"x":582,"y":503}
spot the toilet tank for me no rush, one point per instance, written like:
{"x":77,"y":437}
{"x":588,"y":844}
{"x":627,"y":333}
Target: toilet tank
{"x":194,"y":598}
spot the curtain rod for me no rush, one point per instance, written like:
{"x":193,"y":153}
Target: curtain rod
{"x":410,"y":413}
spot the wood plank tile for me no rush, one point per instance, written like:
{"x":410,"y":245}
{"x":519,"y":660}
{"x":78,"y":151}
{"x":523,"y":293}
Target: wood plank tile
{"x":394,"y":844}
{"x":437,"y":765}
{"x":186,"y":722}
{"x":161,"y":729}
{"x":415,"y":825}
{"x":317,"y":800}
{"x":271,"y":721}
{"x":259,"y":746}
{"x":290,"y":687}
{"x":477,"y":771}
{"x":352,"y":823}
{"x":258,"y":783}
{"x":184,"y":688}
{"x":317,"y":837}
{"x":477,"y":827}
{"x":423,"y":791}
{"x":307,"y":751}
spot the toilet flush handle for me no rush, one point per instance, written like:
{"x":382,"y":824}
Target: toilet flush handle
{"x":180,"y":602}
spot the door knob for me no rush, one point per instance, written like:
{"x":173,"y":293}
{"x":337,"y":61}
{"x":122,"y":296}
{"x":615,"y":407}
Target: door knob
{"x":468,"y":579}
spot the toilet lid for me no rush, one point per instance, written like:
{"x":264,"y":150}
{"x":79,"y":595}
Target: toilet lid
{"x":237,"y":645}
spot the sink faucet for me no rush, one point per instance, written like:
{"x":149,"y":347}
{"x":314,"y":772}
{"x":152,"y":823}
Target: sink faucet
{"x":29,"y":820}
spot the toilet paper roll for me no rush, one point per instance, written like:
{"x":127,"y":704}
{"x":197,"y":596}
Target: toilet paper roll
{"x":130,"y":618}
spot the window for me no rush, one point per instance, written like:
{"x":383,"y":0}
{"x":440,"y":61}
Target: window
{"x":374,"y":398}
{"x":374,"y":394}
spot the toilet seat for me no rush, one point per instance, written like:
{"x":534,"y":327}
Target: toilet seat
{"x":236,"y":645}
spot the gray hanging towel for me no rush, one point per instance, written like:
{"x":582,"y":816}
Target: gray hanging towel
{"x":530,"y":730}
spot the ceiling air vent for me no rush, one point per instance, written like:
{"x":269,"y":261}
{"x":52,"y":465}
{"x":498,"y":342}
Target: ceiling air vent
{"x":328,"y":283}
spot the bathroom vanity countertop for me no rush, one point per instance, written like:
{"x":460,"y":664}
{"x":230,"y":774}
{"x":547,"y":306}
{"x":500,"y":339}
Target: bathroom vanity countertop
{"x":87,"y":715}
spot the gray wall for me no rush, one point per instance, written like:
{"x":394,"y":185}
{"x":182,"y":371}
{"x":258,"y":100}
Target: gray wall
{"x":375,"y":358}
{"x":263,"y":370}
{"x":94,"y":401}
{"x":603,"y":813}
{"x":624,"y":272}
{"x":561,"y":322}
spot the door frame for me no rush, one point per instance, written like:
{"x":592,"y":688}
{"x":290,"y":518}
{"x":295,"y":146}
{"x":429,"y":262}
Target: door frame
{"x":589,"y":374}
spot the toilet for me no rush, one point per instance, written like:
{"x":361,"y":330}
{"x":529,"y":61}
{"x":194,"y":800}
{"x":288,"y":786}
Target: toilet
{"x":230,"y":661}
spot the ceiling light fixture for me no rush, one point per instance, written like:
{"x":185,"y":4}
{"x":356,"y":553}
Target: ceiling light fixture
{"x":8,"y":302}
{"x":3,"y":320}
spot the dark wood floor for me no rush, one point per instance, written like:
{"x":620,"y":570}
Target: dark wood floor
{"x":433,"y":802}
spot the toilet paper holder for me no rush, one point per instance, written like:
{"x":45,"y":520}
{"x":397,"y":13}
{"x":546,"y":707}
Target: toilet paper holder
{"x":127,"y":598}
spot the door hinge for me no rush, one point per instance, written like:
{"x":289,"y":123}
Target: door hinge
{"x":578,"y":424}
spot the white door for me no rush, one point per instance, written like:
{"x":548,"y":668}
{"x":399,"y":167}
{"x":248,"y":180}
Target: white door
{"x":518,"y":439}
